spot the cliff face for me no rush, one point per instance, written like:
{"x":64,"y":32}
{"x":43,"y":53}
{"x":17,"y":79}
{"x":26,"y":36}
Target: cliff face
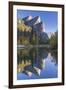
{"x":28,"y":18}
{"x":32,"y":21}
{"x":33,"y":26}
{"x":37,"y":25}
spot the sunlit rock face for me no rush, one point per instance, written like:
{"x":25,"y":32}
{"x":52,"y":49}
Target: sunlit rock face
{"x":32,"y":21}
{"x":38,"y":27}
{"x":36,"y":23}
{"x":36,"y":20}
{"x":28,"y":18}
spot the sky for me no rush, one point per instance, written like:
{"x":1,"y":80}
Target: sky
{"x":49,"y":18}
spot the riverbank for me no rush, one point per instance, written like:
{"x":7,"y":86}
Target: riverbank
{"x":30,"y":46}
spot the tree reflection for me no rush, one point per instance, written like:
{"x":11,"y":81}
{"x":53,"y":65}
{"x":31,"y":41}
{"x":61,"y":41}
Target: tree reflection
{"x":54,"y":54}
{"x":32,"y":61}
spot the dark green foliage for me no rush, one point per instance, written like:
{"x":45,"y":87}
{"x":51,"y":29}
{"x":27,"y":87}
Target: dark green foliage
{"x":27,"y":36}
{"x":53,"y":40}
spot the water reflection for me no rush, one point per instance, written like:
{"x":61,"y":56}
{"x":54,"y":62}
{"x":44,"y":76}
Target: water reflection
{"x":36,"y":63}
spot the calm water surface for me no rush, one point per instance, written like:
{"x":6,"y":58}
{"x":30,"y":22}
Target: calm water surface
{"x":36,"y":63}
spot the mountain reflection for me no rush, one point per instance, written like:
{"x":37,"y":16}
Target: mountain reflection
{"x":32,"y":61}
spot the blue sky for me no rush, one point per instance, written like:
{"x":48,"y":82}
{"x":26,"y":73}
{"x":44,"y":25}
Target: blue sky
{"x":49,"y":18}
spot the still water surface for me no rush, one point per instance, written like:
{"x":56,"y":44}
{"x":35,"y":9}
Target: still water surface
{"x":36,"y":63}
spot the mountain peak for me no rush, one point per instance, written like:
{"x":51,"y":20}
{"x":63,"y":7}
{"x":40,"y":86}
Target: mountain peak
{"x":28,"y":18}
{"x":37,"y":20}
